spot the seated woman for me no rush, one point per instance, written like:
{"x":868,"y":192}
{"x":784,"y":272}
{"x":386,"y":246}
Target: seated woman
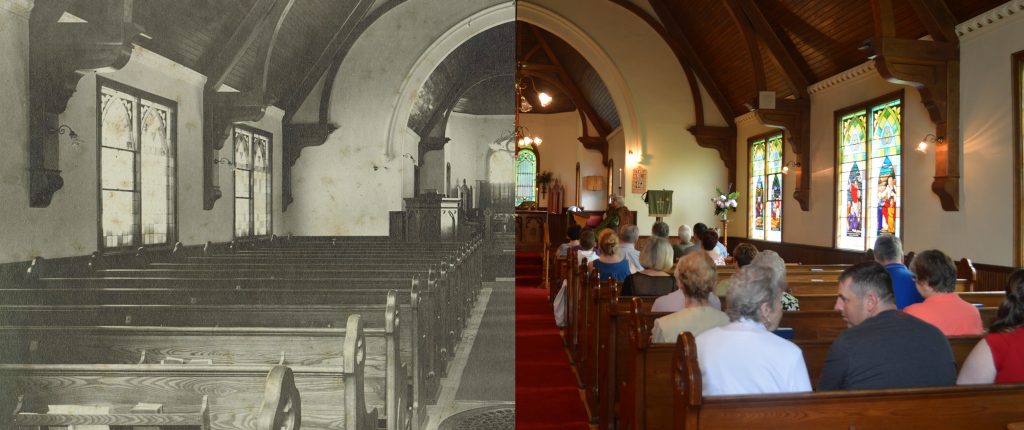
{"x":999,"y":357}
{"x":654,"y":280}
{"x":772,"y":260}
{"x":696,"y":273}
{"x":744,"y":357}
{"x":614,"y":215}
{"x":709,"y":241}
{"x":612,"y":263}
{"x":676,"y":301}
{"x":935,"y":275}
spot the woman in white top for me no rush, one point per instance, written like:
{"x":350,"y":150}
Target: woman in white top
{"x":744,"y":356}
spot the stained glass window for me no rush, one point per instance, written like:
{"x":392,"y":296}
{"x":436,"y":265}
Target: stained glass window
{"x":252,"y":182}
{"x":137,"y":168}
{"x":765,"y":192}
{"x":526,"y":176}
{"x":869,"y":199}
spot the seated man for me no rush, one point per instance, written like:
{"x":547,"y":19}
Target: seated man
{"x":628,"y":234}
{"x":883,"y":348}
{"x":889,"y":253}
{"x":942,"y":308}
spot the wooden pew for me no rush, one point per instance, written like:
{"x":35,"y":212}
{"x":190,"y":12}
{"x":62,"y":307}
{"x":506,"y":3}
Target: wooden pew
{"x":975,"y":407}
{"x":800,"y":288}
{"x":331,"y":397}
{"x":386,"y":379}
{"x":988,"y":299}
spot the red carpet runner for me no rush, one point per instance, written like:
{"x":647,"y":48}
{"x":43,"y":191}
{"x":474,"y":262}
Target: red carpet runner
{"x":547,"y":396}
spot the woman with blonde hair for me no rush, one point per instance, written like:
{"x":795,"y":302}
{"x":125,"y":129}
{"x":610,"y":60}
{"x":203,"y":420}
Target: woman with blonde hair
{"x":654,"y":280}
{"x":697,"y":277}
{"x":612,"y":263}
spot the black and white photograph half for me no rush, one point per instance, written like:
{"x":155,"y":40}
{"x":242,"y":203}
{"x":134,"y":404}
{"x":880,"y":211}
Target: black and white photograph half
{"x":257,"y":214}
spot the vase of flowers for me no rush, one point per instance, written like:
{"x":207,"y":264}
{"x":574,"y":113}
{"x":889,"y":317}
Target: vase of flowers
{"x":723,"y":204}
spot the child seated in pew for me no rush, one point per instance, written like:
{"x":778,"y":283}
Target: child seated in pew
{"x":696,"y":274}
{"x":744,"y":356}
{"x":935,"y":276}
{"x":999,"y":357}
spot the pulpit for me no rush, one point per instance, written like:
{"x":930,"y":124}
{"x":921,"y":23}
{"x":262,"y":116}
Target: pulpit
{"x":429,"y":217}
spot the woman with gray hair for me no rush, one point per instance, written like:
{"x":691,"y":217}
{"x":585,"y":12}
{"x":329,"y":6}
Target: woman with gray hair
{"x":697,"y":277}
{"x":744,"y":356}
{"x":772,"y":260}
{"x":654,"y":280}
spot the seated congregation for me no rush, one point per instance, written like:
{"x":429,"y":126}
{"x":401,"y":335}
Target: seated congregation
{"x":680,"y":340}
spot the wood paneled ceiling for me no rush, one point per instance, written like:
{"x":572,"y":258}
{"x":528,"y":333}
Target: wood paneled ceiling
{"x":822,"y":36}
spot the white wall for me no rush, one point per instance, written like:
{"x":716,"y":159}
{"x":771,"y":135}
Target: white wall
{"x":653,"y":98}
{"x":336,"y":189}
{"x":982,"y":228}
{"x":560,"y":152}
{"x":69,"y":226}
{"x":472,"y":137}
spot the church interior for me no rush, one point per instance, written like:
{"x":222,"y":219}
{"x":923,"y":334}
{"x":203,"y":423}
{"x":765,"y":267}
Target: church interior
{"x":424,"y":214}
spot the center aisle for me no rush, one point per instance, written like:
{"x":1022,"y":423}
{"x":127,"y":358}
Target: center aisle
{"x":547,"y":396}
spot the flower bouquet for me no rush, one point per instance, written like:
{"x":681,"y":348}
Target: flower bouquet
{"x":724,"y":203}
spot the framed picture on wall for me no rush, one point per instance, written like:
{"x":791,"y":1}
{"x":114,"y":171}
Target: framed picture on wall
{"x":639,"y":180}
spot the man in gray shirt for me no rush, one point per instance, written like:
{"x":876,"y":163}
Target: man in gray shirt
{"x":884,"y":347}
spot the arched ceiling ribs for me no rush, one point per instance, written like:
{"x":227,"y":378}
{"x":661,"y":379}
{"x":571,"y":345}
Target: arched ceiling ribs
{"x":740,"y":19}
{"x":597,"y":143}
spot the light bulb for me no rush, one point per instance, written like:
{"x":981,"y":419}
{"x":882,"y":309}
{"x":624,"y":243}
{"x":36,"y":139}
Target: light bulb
{"x":922,"y":147}
{"x":538,"y":140}
{"x":544,"y":98}
{"x":528,"y":140}
{"x":785,"y":170}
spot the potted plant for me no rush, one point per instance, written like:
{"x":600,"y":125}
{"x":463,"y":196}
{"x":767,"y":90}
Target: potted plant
{"x":543,"y":179}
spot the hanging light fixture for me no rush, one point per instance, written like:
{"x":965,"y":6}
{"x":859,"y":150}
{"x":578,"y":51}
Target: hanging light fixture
{"x":523,"y":137}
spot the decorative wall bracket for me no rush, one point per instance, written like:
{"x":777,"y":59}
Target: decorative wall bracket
{"x":722,"y":139}
{"x":430,"y":143}
{"x":794,"y":118}
{"x":220,"y":111}
{"x":596,"y":143}
{"x":296,"y":138}
{"x":59,"y":55}
{"x":933,"y":67}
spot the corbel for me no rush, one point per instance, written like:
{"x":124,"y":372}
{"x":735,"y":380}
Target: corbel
{"x":430,"y":143}
{"x":933,"y":67}
{"x":794,"y":118}
{"x":298,"y":137}
{"x":59,"y":55}
{"x":721,"y":139}
{"x":220,"y":111}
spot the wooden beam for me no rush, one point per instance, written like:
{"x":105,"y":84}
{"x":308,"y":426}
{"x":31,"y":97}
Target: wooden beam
{"x":780,"y":55}
{"x":277,"y":17}
{"x":217,"y":63}
{"x":721,"y":139}
{"x":933,"y":67}
{"x":298,"y":137}
{"x":794,"y":118}
{"x":220,"y":111}
{"x":756,"y":61}
{"x":675,"y":30}
{"x":937,"y":18}
{"x":574,"y":90}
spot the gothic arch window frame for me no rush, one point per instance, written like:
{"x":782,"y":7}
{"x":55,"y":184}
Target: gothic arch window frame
{"x":536,"y":170}
{"x":1017,"y":79}
{"x":251,"y":181}
{"x":867,"y":107}
{"x":138,"y":234}
{"x":766,"y":172}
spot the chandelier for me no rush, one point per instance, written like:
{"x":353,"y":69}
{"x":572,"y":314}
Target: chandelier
{"x":523,"y":137}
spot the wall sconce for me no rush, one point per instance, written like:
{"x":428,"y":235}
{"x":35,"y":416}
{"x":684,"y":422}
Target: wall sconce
{"x":223,"y":160}
{"x":794,"y":164}
{"x":929,"y":139}
{"x":66,"y":129}
{"x":632,"y":158}
{"x":593,"y":183}
{"x":409,"y":156}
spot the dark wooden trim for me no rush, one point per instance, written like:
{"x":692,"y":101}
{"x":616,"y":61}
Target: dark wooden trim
{"x":933,"y":67}
{"x":297,"y":137}
{"x":750,"y":142}
{"x":783,"y":58}
{"x":216,"y":65}
{"x":664,"y":14}
{"x":992,"y":277}
{"x":742,"y":23}
{"x":1018,"y":156}
{"x":278,"y":16}
{"x":836,"y":161}
{"x":142,"y":95}
{"x":721,"y":139}
{"x":794,"y":118}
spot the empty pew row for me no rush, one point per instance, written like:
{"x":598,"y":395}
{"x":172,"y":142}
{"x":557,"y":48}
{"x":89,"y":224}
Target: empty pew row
{"x":233,"y":397}
{"x":975,"y":407}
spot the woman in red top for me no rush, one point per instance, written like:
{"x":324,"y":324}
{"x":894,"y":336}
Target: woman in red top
{"x":999,"y":358}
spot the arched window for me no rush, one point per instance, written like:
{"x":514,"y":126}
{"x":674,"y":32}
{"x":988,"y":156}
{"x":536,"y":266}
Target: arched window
{"x":765,"y":213}
{"x":869,"y":192}
{"x":526,"y":175}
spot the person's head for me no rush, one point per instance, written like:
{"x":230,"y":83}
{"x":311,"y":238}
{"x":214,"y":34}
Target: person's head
{"x":772,"y":260}
{"x":616,"y":201}
{"x":934,"y":270}
{"x":659,"y":229}
{"x":629,"y":233}
{"x":695,"y":275}
{"x":1011,"y":312}
{"x":865,"y":290}
{"x":574,"y":232}
{"x":685,"y":234}
{"x":698,"y":232}
{"x":587,"y":239}
{"x":744,"y":253}
{"x":608,"y":242}
{"x":755,"y":295}
{"x":888,"y":249}
{"x":709,"y":240}
{"x":657,"y":255}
